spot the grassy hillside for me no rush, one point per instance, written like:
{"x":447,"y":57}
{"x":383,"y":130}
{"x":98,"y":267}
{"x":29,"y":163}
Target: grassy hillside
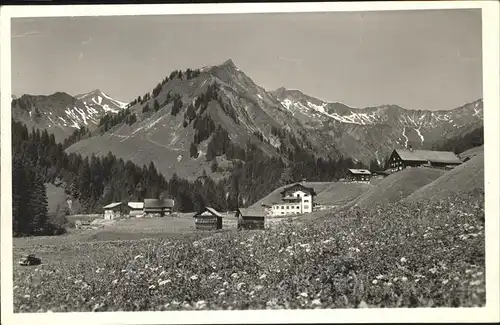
{"x":466,"y":177}
{"x":430,"y":258}
{"x":472,"y":152}
{"x":329,"y":193}
{"x":398,"y":186}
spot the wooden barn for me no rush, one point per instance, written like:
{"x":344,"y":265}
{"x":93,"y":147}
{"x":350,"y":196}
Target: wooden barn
{"x":208,"y":219}
{"x":404,"y":158}
{"x":136,"y":209}
{"x":115,"y":210}
{"x":358,"y":175}
{"x":168,"y":206}
{"x":250,"y":218}
{"x":158,"y":207}
{"x":379,"y":174}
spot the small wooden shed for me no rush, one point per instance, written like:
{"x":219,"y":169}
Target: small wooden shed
{"x":251,"y":218}
{"x":208,"y":219}
{"x":136,"y":209}
{"x":114,"y":210}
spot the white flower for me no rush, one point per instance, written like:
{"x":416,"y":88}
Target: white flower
{"x":138,"y":256}
{"x":115,"y":281}
{"x":404,"y":279}
{"x":403,"y":260}
{"x":374,"y":281}
{"x":263,"y":276}
{"x":380,"y":277}
{"x":304,"y":294}
{"x":234,"y":276}
{"x":316,"y":302}
{"x":433,"y":270}
{"x":194,"y":277}
{"x":445,"y":281}
{"x":201,"y":304}
{"x":151,"y":287}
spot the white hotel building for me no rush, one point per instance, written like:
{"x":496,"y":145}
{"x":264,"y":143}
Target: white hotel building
{"x":295,"y":199}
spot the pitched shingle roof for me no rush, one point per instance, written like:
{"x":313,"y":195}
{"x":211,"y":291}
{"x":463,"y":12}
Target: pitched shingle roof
{"x":310,"y":190}
{"x":112,"y":205}
{"x":136,"y":205}
{"x":446,"y":157}
{"x":360,"y":171}
{"x":252,"y":213}
{"x":214,"y":212}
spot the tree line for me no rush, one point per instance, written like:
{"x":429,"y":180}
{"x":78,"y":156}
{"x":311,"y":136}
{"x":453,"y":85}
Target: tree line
{"x":462,"y":143}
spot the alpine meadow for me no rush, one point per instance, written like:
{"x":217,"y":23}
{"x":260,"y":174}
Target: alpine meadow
{"x":197,"y":176}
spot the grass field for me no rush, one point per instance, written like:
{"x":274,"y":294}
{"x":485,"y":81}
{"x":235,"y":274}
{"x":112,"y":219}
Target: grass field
{"x":403,"y":255}
{"x":425,"y":251}
{"x":468,"y":176}
{"x":397,"y":186}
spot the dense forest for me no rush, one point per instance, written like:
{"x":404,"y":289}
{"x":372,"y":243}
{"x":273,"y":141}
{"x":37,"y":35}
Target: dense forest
{"x":463,"y":143}
{"x":95,"y":181}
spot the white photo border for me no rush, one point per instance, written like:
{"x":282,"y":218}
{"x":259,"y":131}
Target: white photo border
{"x":490,"y":43}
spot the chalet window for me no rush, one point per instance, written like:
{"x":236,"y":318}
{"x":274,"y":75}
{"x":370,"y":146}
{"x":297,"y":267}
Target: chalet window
{"x":287,"y":207}
{"x":306,"y":200}
{"x":306,"y":207}
{"x":282,"y":207}
{"x":298,"y":195}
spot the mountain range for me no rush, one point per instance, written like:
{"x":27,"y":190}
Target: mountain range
{"x":61,"y":113}
{"x":195,"y":117}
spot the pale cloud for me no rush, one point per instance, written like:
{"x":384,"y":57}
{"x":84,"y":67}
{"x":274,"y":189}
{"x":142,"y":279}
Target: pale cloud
{"x":80,"y":56}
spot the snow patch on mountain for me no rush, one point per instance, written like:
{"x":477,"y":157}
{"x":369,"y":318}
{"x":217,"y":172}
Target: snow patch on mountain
{"x":150,"y":125}
{"x":420,"y":135}
{"x":117,"y":102}
{"x":406,"y":138}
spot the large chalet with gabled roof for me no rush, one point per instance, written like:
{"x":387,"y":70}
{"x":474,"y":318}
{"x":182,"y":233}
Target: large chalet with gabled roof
{"x":404,"y":158}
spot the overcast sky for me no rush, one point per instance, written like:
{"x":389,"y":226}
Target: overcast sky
{"x":416,"y":59}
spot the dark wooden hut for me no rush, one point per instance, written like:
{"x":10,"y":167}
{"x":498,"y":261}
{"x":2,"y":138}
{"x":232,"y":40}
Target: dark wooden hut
{"x":208,"y":219}
{"x":250,"y":218}
{"x":158,"y":207}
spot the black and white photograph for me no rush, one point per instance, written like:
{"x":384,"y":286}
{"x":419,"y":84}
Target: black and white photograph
{"x":262,"y":161}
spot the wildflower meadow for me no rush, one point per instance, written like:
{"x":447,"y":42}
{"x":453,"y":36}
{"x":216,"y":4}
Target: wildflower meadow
{"x":427,"y":254}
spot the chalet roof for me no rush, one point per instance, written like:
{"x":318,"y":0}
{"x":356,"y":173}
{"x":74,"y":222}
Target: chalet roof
{"x":136,"y":205}
{"x":360,"y":171}
{"x":213,"y":211}
{"x":252,"y":212}
{"x":300,"y":186}
{"x":428,"y":155}
{"x":112,"y":205}
{"x":158,"y":203}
